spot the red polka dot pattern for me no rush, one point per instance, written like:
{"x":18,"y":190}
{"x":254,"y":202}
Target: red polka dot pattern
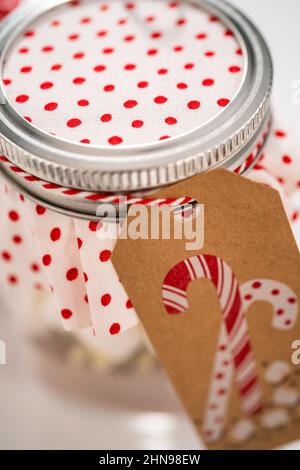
{"x":63,"y":87}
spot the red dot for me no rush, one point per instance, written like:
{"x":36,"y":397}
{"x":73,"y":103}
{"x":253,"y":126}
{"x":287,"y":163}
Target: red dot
{"x":6,"y":256}
{"x":105,"y":255}
{"x":194,"y":104}
{"x":275,"y":292}
{"x":108,"y":50}
{"x":287,"y":159}
{"x":164,"y":137}
{"x":109,"y":88}
{"x":106,"y":117}
{"x":105,"y":300}
{"x":209,"y":53}
{"x":83,"y":103}
{"x":73,"y":37}
{"x":34,"y":267}
{"x":295,"y":216}
{"x":104,"y":7}
{"x":130,"y":5}
{"x":50,"y":106}
{"x":223,"y":102}
{"x":221,"y":391}
{"x":22,"y":98}
{"x":101,"y":33}
{"x":115,"y":140}
{"x":280,"y":312}
{"x":181,"y":86}
{"x":280,"y":134}
{"x":46,"y":260}
{"x":94,"y":226}
{"x":23,"y":50}
{"x":17,"y":239}
{"x":129,"y":304}
{"x":29,"y":34}
{"x":66,"y":313}
{"x":256,"y":285}
{"x":56,"y":67}
{"x":12,"y":279}
{"x":72,"y":274}
{"x":129,"y":66}
{"x":129,"y":38}
{"x":152,"y":51}
{"x":47,"y":49}
{"x":156,"y":35}
{"x":78,"y":55}
{"x":14,"y":216}
{"x":85,"y":20}
{"x":292,"y":300}
{"x":55,"y":234}
{"x":189,"y":66}
{"x":130,"y":104}
{"x":99,"y":68}
{"x":115,"y":329}
{"x":162,"y":71}
{"x":85,"y":141}
{"x":143,"y":84}
{"x":171,"y":121}
{"x":55,"y":23}
{"x":137,"y":124}
{"x":85,"y":277}
{"x":79,"y":80}
{"x":201,"y":36}
{"x":239,"y":51}
{"x":228,"y":33}
{"x":7,"y":81}
{"x":26,"y":69}
{"x":208,"y":82}
{"x":248,"y":297}
{"x":181,"y":21}
{"x":222,"y":347}
{"x":74,"y":122}
{"x":160,"y":99}
{"x":234,"y":69}
{"x":46,"y":85}
{"x":79,"y":243}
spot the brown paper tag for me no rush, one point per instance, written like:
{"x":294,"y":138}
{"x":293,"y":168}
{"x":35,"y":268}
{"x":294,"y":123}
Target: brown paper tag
{"x":223,"y":319}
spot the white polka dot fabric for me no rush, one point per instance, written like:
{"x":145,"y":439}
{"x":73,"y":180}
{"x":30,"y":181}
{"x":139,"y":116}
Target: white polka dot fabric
{"x":73,"y":256}
{"x":123,"y":73}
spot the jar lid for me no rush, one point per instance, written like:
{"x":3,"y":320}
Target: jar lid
{"x":126,"y":96}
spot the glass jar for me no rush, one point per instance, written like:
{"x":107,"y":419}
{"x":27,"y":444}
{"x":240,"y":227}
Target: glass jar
{"x":101,"y":100}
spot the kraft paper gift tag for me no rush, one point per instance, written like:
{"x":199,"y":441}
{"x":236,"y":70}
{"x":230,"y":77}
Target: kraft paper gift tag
{"x":223,"y":319}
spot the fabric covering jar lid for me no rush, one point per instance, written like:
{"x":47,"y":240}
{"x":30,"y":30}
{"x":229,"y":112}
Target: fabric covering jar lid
{"x":128,"y":96}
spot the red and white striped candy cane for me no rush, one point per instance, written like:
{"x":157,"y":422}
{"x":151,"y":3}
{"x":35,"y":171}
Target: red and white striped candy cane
{"x":285,"y":307}
{"x":237,"y":346}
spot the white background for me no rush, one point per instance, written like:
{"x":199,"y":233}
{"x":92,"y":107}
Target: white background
{"x":34,"y":416}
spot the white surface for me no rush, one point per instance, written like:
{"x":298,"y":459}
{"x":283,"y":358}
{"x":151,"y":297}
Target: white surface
{"x":35,"y":417}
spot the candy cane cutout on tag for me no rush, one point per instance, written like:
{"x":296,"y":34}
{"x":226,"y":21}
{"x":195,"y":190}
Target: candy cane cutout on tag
{"x":285,"y":308}
{"x":237,"y":346}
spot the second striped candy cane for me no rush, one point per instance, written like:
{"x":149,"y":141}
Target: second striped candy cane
{"x":234,"y":326}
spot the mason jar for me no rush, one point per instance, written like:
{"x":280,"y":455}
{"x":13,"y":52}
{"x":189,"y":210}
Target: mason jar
{"x":101,"y":100}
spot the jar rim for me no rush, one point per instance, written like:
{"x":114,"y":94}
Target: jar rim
{"x":146,"y":166}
